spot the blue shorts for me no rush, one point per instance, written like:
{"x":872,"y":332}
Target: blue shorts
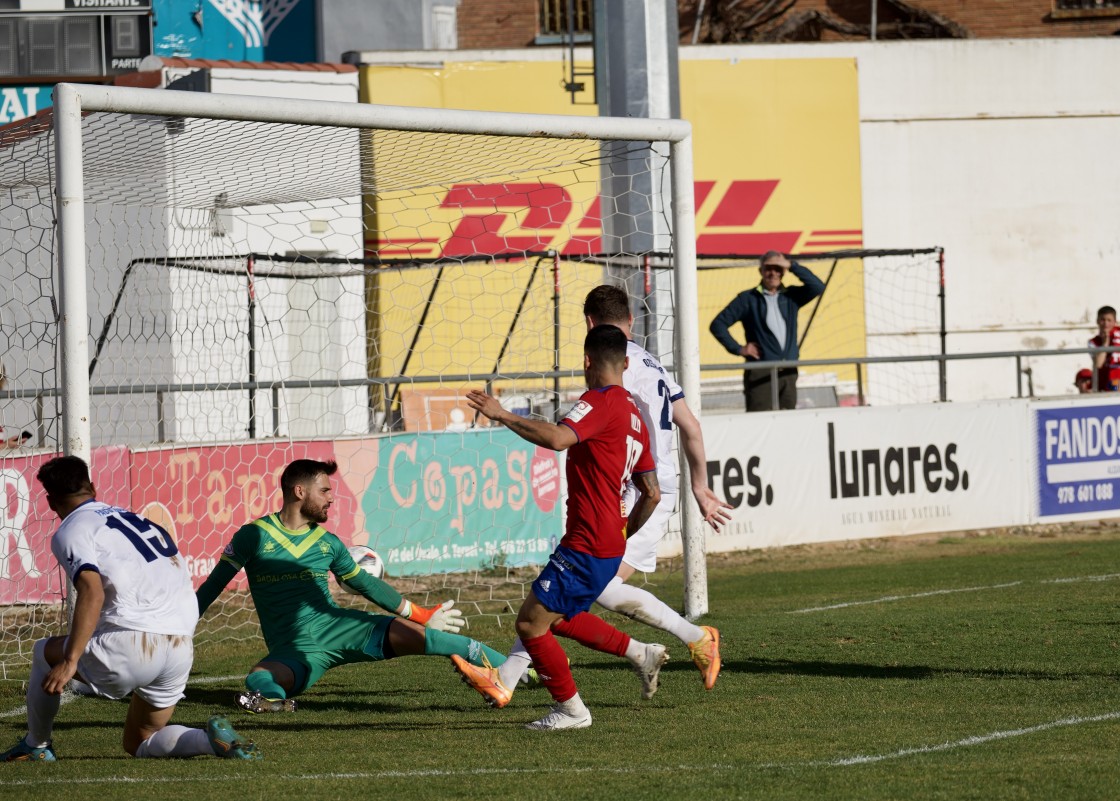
{"x":572,"y":580}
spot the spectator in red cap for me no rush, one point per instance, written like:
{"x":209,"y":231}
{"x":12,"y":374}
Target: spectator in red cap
{"x":1084,"y":380}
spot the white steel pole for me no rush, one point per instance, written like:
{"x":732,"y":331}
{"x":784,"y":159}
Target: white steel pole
{"x":73,"y":313}
{"x":688,"y":368}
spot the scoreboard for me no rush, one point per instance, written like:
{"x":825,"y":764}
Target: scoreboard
{"x":57,"y":39}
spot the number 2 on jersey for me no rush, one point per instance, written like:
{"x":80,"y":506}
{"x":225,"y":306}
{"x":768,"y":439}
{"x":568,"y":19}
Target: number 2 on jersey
{"x":666,"y":422}
{"x":132,"y":526}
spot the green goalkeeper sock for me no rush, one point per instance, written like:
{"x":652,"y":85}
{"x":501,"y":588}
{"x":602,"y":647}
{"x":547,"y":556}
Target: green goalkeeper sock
{"x":444,"y":643}
{"x":263,"y":682}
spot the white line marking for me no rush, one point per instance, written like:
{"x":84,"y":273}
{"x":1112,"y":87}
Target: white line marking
{"x":891,"y":598}
{"x":978,"y":739}
{"x":861,"y":759}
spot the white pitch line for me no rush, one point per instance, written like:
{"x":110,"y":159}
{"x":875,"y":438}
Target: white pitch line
{"x":978,"y":739}
{"x":861,"y":759}
{"x":892,"y":598}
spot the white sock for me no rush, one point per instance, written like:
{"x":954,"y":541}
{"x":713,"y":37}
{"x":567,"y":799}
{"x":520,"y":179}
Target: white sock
{"x":42,"y":708}
{"x":635,"y":650}
{"x":645,"y":607}
{"x":515,"y":666}
{"x":574,"y":706}
{"x":176,"y":741}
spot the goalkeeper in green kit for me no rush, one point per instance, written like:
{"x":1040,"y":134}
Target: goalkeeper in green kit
{"x":286,"y":557}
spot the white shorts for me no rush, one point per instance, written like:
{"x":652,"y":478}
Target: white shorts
{"x":641,"y":548}
{"x":154,"y":666}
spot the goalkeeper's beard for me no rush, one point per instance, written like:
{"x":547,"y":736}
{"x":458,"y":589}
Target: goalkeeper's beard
{"x":316,"y":514}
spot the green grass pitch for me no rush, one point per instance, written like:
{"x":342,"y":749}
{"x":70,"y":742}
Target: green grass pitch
{"x":971,"y":667}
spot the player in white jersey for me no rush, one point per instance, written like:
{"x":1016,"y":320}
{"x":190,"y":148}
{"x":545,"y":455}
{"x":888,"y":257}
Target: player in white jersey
{"x":661,"y":401}
{"x":132,"y":629}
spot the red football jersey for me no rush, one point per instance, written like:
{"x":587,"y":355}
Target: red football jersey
{"x":1108,"y":377}
{"x":613,"y":445}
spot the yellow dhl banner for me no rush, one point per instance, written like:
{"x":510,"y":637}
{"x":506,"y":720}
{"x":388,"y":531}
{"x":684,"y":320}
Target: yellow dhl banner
{"x":776,"y":163}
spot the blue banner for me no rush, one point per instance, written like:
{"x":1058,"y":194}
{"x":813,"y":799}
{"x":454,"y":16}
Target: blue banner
{"x":1078,"y":459}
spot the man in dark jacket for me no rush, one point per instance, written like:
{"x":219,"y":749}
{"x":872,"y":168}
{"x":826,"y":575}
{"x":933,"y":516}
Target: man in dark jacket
{"x":769,"y":317}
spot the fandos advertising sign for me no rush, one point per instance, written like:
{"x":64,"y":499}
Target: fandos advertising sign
{"x":1078,"y":458}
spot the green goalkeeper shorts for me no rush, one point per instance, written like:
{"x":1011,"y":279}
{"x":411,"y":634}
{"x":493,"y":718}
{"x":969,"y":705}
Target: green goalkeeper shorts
{"x":346,"y":641}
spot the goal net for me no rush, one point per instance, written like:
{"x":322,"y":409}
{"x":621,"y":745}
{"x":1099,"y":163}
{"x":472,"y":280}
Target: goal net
{"x":270,"y":280}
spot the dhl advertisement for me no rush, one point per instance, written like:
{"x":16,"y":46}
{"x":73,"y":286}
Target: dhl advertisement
{"x":776,"y":162}
{"x":426,"y":502}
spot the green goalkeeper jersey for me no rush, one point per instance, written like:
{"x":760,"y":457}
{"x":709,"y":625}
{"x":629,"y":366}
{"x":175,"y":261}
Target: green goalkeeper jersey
{"x":287,"y":572}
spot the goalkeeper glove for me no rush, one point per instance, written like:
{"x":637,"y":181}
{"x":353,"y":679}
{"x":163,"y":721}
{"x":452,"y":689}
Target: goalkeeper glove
{"x":444,"y":617}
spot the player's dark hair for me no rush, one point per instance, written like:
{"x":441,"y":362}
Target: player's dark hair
{"x":1106,"y":310}
{"x":606,"y":344}
{"x":607,"y":304}
{"x":63,"y":476}
{"x":304,"y":471}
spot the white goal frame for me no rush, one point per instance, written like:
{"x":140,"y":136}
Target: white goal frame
{"x":71,"y":101}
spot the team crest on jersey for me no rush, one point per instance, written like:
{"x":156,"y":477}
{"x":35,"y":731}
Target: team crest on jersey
{"x":579,"y":411}
{"x":324,"y":548}
{"x":228,"y":550}
{"x":269,"y":547}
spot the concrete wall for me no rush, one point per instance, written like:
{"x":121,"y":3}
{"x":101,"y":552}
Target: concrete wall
{"x":1001,"y":151}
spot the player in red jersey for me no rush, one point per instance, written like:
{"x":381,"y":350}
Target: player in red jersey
{"x":607,"y":445}
{"x":1107,"y":364}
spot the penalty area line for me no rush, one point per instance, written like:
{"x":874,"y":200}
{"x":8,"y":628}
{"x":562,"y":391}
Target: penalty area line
{"x":840,"y":762}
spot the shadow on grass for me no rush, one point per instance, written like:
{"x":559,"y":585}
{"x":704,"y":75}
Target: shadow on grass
{"x":858,"y":670}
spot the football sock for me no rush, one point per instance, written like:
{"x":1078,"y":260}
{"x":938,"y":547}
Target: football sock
{"x":552,"y":666}
{"x":444,"y":643}
{"x":42,"y":708}
{"x":176,"y":741}
{"x":516,"y":665}
{"x":263,"y":682}
{"x":594,"y":632}
{"x":645,"y":607}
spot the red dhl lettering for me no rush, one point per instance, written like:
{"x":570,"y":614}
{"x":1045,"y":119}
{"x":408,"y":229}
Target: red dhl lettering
{"x":514,"y":217}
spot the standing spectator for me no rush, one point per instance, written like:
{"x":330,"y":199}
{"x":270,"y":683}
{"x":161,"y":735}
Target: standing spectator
{"x":608,"y":446}
{"x":1084,"y":380}
{"x":134,"y":619}
{"x":1107,"y":364}
{"x":769,"y":317}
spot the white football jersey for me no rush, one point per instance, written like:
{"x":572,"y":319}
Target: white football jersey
{"x":654,"y":390}
{"x":147,"y":584}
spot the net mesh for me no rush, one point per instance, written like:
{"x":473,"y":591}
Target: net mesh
{"x":264,"y":292}
{"x":882,"y":304}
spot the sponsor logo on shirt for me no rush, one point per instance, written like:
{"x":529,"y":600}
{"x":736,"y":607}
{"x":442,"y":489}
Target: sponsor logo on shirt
{"x":579,"y":411}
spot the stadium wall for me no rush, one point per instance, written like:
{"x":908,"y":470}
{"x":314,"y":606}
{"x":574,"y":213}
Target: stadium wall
{"x":997,"y":150}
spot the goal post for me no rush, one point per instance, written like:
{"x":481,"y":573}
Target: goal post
{"x":415,"y":232}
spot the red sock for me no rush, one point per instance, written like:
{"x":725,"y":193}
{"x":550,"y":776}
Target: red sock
{"x":594,"y":632}
{"x":551,"y":664}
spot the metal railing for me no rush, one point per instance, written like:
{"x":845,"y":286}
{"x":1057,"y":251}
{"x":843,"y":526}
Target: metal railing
{"x":941,"y":358}
{"x":388,"y":418}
